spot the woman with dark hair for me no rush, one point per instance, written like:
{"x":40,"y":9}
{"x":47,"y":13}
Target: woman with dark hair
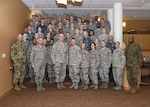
{"x":92,"y":36}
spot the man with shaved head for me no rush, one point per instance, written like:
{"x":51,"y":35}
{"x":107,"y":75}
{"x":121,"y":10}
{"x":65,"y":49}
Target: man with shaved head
{"x":134,"y":58}
{"x":18,"y":56}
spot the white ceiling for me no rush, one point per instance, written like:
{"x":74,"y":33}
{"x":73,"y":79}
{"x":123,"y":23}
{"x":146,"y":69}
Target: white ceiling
{"x":132,"y":9}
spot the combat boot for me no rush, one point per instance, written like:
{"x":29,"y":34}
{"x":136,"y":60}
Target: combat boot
{"x":62,"y":85}
{"x":16,"y":87}
{"x":42,"y":88}
{"x":103,"y":84}
{"x":92,"y":86}
{"x":85,"y":87}
{"x":133,"y":90}
{"x":59,"y":86}
{"x":76,"y":85}
{"x":95,"y":86}
{"x":118,"y":88}
{"x":72,"y":86}
{"x":115,"y":87}
{"x":50,"y":81}
{"x":38,"y":88}
{"x":82,"y":85}
{"x":32,"y":81}
{"x":22,"y":86}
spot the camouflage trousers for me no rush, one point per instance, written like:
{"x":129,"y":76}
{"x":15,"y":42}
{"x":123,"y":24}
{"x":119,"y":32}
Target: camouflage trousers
{"x":84,"y":75}
{"x":117,"y":75}
{"x":74,"y":73}
{"x":39,"y":72}
{"x":31,"y":72}
{"x":132,"y":73}
{"x":19,"y":73}
{"x":104,"y":73}
{"x":60,"y":72}
{"x":93,"y":75}
{"x":50,"y":70}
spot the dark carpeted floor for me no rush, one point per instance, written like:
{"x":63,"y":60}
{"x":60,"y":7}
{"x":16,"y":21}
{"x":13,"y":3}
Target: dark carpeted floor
{"x":52,"y":97}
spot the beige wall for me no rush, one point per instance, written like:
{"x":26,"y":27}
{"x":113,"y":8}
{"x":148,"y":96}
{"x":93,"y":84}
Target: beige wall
{"x":14,"y":16}
{"x":137,"y":25}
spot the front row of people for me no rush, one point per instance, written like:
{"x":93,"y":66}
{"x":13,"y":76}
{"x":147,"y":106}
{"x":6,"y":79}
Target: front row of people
{"x":81,"y":63}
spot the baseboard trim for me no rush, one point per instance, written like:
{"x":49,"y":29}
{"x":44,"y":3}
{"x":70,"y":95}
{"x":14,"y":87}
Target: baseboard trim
{"x":6,"y":93}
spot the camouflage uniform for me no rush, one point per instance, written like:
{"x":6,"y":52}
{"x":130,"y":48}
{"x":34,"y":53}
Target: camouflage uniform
{"x":84,"y":73}
{"x":97,"y":32}
{"x":31,"y":72}
{"x":91,"y":26}
{"x":106,"y":26}
{"x":79,"y":39}
{"x":59,"y":56}
{"x":38,"y":59}
{"x":134,"y":58}
{"x":94,"y":64}
{"x":74,"y":61}
{"x":118,"y":62}
{"x":103,"y":37}
{"x":72,"y":32}
{"x":105,"y":63}
{"x":68,"y":41}
{"x":66,"y":29}
{"x":98,"y":47}
{"x":25,"y":45}
{"x":93,"y":38}
{"x":18,"y":56}
{"x":50,"y":65}
{"x":111,"y":46}
{"x":56,"y":38}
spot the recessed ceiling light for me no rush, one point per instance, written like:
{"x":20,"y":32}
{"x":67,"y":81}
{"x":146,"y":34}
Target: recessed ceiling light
{"x":135,"y":16}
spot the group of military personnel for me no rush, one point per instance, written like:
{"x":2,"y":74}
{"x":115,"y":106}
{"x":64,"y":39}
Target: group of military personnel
{"x":82,"y":46}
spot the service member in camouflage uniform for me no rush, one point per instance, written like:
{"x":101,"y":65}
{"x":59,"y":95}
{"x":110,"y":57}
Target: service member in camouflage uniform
{"x":50,"y":65}
{"x":18,"y":56}
{"x":78,"y":37}
{"x":84,"y":71}
{"x":118,"y":62}
{"x":105,"y":63}
{"x":31,"y":71}
{"x":38,"y":60}
{"x":59,"y":57}
{"x":74,"y":63}
{"x":94,"y":65}
{"x":134,"y":59}
{"x":25,"y":44}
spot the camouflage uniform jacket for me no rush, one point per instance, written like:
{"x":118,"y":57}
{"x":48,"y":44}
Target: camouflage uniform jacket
{"x":133,"y":55}
{"x":105,"y":57}
{"x":49,"y":52}
{"x":79,"y":39}
{"x":18,"y":53}
{"x":118,"y":58}
{"x":85,"y":59}
{"x":59,"y":52}
{"x":38,"y":55}
{"x":94,"y":59}
{"x":75,"y":55}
